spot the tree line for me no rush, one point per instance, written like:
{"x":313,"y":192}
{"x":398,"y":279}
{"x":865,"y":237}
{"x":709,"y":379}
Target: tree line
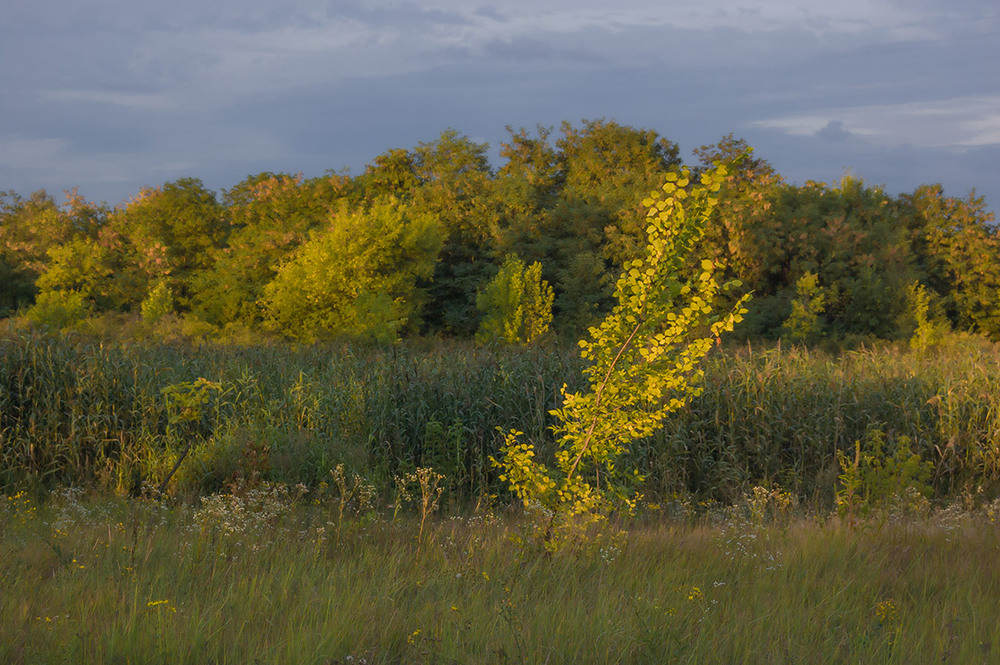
{"x":434,"y":241}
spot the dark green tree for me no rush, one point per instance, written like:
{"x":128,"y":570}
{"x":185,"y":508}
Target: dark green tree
{"x":572,"y":205}
{"x":456,"y":188}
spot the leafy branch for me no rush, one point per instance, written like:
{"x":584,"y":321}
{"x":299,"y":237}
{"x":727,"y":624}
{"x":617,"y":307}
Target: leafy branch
{"x":644,"y":363}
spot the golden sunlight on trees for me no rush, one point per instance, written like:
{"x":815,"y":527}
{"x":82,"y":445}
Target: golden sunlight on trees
{"x":516,"y":304}
{"x":567,"y":197}
{"x":960,"y":242}
{"x":269,"y":216}
{"x":357,"y":278}
{"x":804,"y":323}
{"x":644,"y":363}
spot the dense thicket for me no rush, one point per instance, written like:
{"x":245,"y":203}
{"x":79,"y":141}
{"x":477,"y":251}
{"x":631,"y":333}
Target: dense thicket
{"x":74,"y":412}
{"x":404,"y":248}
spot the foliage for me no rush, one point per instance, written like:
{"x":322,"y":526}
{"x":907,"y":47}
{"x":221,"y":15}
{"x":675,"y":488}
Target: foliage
{"x":928,"y":330}
{"x":455,"y":188}
{"x":159,"y":303}
{"x":566,"y":197}
{"x":358,"y":277}
{"x":643,"y":364}
{"x":959,"y":243}
{"x":269,"y":217}
{"x":80,"y":265}
{"x":745,"y":232}
{"x":30,"y":229}
{"x":610,"y":168}
{"x":573,"y":206}
{"x":186,"y":401}
{"x":853,"y":237}
{"x":58,"y":310}
{"x":516,"y":304}
{"x":804,"y":324}
{"x":88,"y":411}
{"x":186,"y":408}
{"x":877,"y":478}
{"x":170,"y":232}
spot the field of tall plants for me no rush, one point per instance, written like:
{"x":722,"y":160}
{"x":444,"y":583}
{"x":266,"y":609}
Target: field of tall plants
{"x":119,"y":416}
{"x":227,"y":503}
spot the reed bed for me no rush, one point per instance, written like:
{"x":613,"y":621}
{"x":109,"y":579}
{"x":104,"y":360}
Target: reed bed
{"x":75,"y":412}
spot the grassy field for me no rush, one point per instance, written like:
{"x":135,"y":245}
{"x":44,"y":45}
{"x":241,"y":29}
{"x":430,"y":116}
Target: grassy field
{"x":263,"y":576}
{"x":805,"y":508}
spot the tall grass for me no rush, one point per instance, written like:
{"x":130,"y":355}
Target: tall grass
{"x":264,"y":580}
{"x":781,"y":415}
{"x":74,"y":412}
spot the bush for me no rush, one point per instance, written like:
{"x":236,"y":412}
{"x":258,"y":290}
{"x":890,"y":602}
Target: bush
{"x":58,"y":310}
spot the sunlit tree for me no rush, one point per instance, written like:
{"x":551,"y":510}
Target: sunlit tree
{"x":958,"y":244}
{"x":516,"y":304}
{"x":269,"y":217}
{"x":356,"y":278}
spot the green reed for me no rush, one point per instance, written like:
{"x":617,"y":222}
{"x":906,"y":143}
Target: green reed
{"x":78,"y":412}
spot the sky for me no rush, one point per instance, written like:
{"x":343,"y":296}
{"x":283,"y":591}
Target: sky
{"x":112,"y":96}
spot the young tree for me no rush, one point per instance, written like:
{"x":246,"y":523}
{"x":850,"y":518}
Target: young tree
{"x":610,"y":167}
{"x":804,"y":324}
{"x":744,"y":229}
{"x":516,"y":304}
{"x":643,"y":364}
{"x":574,"y":207}
{"x":924,"y":326}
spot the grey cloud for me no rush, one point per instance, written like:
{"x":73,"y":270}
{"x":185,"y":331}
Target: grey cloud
{"x":491,"y":13}
{"x":529,"y":49}
{"x":404,"y":15}
{"x":834,"y":131}
{"x":119,"y":95}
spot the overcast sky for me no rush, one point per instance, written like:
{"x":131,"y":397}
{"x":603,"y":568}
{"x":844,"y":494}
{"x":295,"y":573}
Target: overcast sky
{"x":114,"y":95}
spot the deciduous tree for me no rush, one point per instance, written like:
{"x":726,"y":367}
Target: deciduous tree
{"x":358,"y":277}
{"x":516,"y":304}
{"x":643,"y":364}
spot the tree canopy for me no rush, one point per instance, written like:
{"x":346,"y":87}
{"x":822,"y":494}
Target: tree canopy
{"x":407,"y":246}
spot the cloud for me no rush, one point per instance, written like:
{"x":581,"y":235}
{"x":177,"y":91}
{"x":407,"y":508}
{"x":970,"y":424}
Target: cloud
{"x":834,"y":131}
{"x":959,"y":122}
{"x":129,"y":92}
{"x":141,"y":101}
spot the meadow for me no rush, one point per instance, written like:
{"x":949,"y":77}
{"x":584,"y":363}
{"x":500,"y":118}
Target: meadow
{"x":262,"y":577}
{"x":806,"y":507}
